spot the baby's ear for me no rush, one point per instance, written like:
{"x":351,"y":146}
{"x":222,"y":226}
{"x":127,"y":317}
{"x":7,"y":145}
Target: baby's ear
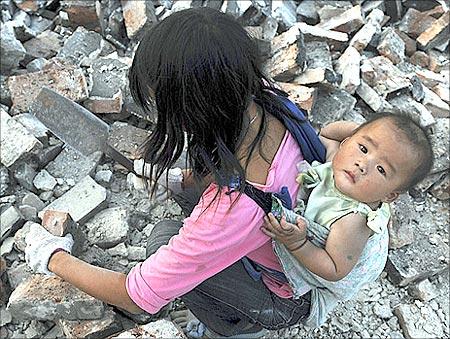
{"x":391,"y":197}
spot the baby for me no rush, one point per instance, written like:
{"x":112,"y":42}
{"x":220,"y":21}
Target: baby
{"x":349,"y":201}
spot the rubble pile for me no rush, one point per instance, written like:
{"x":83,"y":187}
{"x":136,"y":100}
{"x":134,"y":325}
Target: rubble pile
{"x":69,"y":129}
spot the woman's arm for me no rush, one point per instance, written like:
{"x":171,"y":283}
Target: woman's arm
{"x":103,"y":284}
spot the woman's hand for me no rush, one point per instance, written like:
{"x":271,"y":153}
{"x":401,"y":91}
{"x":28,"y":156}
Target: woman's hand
{"x":291,"y":235}
{"x":41,"y":244}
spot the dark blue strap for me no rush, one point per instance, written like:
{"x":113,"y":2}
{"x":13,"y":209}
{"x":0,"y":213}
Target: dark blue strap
{"x":302,"y":131}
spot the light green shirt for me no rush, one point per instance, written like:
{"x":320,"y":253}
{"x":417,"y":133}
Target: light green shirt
{"x":325,"y":205}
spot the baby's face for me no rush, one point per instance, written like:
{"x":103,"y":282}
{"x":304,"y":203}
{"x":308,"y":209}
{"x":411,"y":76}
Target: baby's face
{"x":372,"y":165}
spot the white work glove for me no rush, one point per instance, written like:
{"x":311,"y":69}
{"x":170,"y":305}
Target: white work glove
{"x":175,"y":179}
{"x":41,"y":244}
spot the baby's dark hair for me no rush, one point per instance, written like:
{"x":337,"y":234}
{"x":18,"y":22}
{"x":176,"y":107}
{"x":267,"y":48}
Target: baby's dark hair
{"x":419,"y":139}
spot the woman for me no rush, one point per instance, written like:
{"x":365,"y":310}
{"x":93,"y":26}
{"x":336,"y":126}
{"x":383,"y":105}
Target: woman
{"x":202,"y":71}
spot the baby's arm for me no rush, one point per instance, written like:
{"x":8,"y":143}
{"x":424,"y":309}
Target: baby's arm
{"x":344,"y":245}
{"x":332,"y":135}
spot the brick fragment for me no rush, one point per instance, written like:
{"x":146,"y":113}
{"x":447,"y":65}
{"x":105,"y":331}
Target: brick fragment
{"x":108,"y":325}
{"x":57,"y":222}
{"x":68,"y":81}
{"x":82,"y":13}
{"x":436,"y":34}
{"x":347,"y":22}
{"x":410,"y":44}
{"x":373,"y":24}
{"x":49,"y":298}
{"x":420,"y":58}
{"x":438,"y":107}
{"x":318,"y":61}
{"x":415,"y":22}
{"x":138,"y":15}
{"x":46,"y":45}
{"x":312,"y":33}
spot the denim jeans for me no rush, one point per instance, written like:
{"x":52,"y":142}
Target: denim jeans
{"x":231,"y":302}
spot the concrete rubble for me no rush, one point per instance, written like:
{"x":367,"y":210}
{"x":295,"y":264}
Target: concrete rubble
{"x":336,"y":59}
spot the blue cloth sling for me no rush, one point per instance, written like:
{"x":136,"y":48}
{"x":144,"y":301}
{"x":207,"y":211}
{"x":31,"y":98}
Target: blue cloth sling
{"x":312,"y":149}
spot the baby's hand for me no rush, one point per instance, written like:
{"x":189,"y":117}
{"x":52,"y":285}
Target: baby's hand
{"x":291,"y":235}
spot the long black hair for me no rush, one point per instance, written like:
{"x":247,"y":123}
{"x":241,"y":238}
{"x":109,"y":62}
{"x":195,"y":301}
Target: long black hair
{"x":204,"y":70}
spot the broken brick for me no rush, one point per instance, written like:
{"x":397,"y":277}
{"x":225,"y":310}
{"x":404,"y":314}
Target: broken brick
{"x":391,"y":46}
{"x":138,"y":15}
{"x":82,"y":13}
{"x":347,"y":22}
{"x":68,"y":81}
{"x":436,"y":34}
{"x":301,"y":95}
{"x":362,"y":38}
{"x":348,"y":66}
{"x":420,"y":58}
{"x":415,"y":22}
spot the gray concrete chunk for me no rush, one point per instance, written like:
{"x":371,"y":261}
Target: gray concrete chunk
{"x":34,"y":125}
{"x":11,"y":51}
{"x":10,"y":221}
{"x":331,"y":106}
{"x":70,"y":164}
{"x":82,"y":201}
{"x":44,"y":181}
{"x":109,"y":227}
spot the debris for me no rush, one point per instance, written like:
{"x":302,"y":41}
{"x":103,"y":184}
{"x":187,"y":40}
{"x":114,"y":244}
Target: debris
{"x":11,"y":220}
{"x":158,"y":329}
{"x":109,"y":227}
{"x":391,"y":46}
{"x":436,"y":33}
{"x":12,"y":50}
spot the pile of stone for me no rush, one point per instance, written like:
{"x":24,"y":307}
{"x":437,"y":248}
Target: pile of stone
{"x":336,"y":59}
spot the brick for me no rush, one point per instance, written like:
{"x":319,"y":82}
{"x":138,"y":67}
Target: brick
{"x":68,"y":81}
{"x":50,"y":298}
{"x":105,"y":105}
{"x":138,"y":16}
{"x":109,"y":227}
{"x":126,"y":138}
{"x":401,"y":227}
{"x":347,"y":22}
{"x":382,"y":75}
{"x":348,"y":66}
{"x":158,"y":329}
{"x":82,"y":201}
{"x":362,"y":38}
{"x":71,"y":166}
{"x":82,"y":13}
{"x":393,"y":8}
{"x":415,"y":22}
{"x":57,"y":223}
{"x":60,"y":114}
{"x":11,"y":51}
{"x":436,"y":34}
{"x":108,"y":325}
{"x":16,"y":141}
{"x":301,"y":95}
{"x":391,"y":46}
{"x":11,"y":220}
{"x":311,"y":33}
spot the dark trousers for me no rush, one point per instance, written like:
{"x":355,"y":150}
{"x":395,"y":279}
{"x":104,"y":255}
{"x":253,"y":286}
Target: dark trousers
{"x":231,"y":302}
